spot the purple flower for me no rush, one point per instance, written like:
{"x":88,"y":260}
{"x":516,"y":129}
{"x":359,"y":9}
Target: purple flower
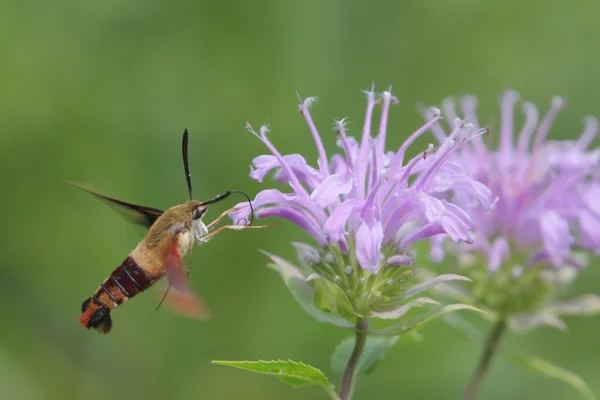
{"x":366,"y":201}
{"x":548,"y":211}
{"x":548,"y":191}
{"x":365,"y":207}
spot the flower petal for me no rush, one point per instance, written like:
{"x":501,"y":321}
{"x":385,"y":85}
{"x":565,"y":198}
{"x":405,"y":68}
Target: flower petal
{"x":368,"y":246}
{"x":589,"y":225}
{"x":425,"y":232}
{"x":297,"y":217}
{"x":262,"y":165}
{"x":304,"y":109}
{"x":335,"y":227}
{"x":400,"y":259}
{"x":293,"y":180}
{"x":304,"y":172}
{"x":436,"y":249}
{"x":330,"y":189}
{"x":556,"y":236}
{"x":498,"y":253}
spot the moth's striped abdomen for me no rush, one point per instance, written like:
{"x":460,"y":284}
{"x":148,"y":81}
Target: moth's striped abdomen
{"x":125,"y":282}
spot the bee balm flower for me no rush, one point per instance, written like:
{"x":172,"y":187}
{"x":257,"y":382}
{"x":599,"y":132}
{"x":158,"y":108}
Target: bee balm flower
{"x":546,"y":218}
{"x":364,"y":208}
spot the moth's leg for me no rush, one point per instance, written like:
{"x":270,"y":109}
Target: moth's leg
{"x":219,"y":218}
{"x":206,"y":238}
{"x":164,"y":297}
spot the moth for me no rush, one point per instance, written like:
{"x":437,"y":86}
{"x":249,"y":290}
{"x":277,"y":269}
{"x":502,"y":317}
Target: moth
{"x":171,"y":235}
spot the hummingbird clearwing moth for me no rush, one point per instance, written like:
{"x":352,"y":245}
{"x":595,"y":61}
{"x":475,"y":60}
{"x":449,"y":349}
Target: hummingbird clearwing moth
{"x":171,"y":235}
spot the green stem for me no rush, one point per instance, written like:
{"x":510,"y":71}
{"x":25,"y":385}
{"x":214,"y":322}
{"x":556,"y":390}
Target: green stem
{"x":331,"y":392}
{"x":362,"y":324}
{"x":489,"y":350}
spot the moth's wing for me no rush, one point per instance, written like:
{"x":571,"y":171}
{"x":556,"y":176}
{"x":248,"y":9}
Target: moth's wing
{"x":141,"y":215}
{"x":180,"y":297}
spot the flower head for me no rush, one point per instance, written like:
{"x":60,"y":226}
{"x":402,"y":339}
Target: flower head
{"x":365,"y":206}
{"x":546,"y":216}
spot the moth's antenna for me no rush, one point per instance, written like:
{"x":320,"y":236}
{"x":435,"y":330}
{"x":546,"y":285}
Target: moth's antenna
{"x":225,"y":195}
{"x":186,"y":163}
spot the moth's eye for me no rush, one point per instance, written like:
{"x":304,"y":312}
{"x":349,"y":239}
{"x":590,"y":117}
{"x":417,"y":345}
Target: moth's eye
{"x":198,"y":213}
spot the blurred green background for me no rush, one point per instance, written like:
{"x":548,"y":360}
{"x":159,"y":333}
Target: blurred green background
{"x":101,"y":91}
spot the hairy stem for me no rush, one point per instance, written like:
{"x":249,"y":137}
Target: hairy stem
{"x":362,"y":324}
{"x":491,"y":345}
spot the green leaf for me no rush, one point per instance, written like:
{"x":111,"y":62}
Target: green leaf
{"x":420,"y":288}
{"x":587,"y":305}
{"x":295,"y":374}
{"x":420,"y":320}
{"x":403,"y":309}
{"x":302,"y":291}
{"x":448,"y":289}
{"x":375,"y":349}
{"x":413,"y":337}
{"x":330,"y":298}
{"x":463,"y":327}
{"x":525,"y":322}
{"x":552,"y":371}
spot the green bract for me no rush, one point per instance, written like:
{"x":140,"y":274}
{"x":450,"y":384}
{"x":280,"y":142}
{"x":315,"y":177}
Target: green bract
{"x":333,"y":288}
{"x":524,"y":297}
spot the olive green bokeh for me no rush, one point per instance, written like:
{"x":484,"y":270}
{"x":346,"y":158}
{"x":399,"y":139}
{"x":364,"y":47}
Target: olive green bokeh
{"x":101,"y":92}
